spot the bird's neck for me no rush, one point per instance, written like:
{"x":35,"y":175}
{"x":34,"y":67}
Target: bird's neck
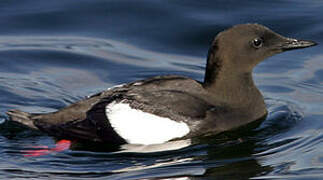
{"x":232,"y":88}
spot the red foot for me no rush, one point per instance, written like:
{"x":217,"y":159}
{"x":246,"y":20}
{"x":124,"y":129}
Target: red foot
{"x":44,"y":150}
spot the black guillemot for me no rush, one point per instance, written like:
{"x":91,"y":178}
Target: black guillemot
{"x":164,"y":108}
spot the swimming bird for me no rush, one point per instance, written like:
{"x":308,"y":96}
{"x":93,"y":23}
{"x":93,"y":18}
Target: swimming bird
{"x":171,"y":107}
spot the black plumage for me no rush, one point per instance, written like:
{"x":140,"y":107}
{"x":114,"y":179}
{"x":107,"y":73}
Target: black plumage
{"x":227,"y":98}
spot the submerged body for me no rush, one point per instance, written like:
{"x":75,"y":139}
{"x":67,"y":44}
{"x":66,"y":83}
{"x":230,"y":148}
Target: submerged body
{"x":165,"y":108}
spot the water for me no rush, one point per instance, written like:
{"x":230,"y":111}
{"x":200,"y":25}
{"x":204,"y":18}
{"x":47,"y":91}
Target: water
{"x":53,"y":53}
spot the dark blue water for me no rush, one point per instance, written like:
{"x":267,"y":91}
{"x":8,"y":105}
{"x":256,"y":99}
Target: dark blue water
{"x":53,"y":53}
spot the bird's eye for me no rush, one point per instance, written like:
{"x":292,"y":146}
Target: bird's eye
{"x":257,"y":43}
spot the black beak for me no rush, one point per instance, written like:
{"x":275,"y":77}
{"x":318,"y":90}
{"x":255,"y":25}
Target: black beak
{"x":290,"y":44}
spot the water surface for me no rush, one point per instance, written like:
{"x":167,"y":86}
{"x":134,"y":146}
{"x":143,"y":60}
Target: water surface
{"x":53,"y":53}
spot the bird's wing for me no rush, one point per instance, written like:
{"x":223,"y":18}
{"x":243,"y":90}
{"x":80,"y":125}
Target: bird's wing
{"x":87,"y":119}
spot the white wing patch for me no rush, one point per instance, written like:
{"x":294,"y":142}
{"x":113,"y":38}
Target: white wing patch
{"x":138,"y":127}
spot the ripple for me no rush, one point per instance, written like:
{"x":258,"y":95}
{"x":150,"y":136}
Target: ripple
{"x":100,"y":48}
{"x":282,"y":115}
{"x":293,"y":152}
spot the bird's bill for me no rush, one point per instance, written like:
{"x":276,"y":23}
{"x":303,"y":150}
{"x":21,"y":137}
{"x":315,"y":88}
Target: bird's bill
{"x":290,"y":44}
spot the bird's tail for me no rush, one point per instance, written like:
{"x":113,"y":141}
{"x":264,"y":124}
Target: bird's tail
{"x":22,"y":118}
